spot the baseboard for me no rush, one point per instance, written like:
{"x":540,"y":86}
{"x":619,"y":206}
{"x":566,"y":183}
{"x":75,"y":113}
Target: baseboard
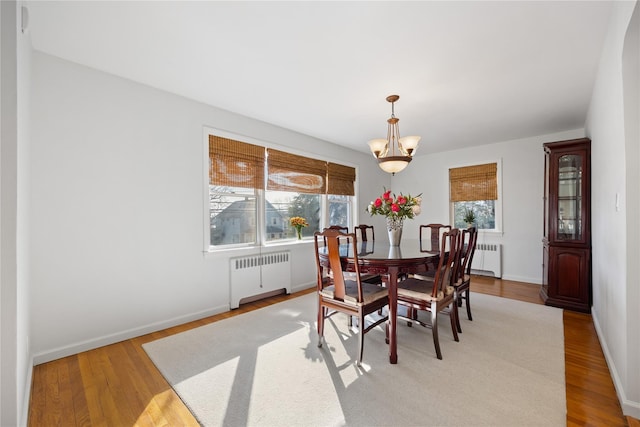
{"x":302,"y":287}
{"x":523,"y":279}
{"x":26,"y":399}
{"x":76,"y":348}
{"x":484,"y":273}
{"x":629,"y":407}
{"x":87,"y":345}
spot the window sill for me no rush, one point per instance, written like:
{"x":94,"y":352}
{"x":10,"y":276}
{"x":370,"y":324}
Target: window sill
{"x":288,"y":242}
{"x":239,"y":248}
{"x":491,"y":232}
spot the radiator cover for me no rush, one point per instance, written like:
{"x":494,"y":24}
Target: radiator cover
{"x":258,"y":274}
{"x":487,"y":259}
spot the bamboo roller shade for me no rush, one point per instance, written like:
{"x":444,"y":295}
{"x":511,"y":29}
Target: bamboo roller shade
{"x":235,"y":164}
{"x":340,"y":179}
{"x":239,"y":164}
{"x":290,"y":172}
{"x":478,"y":182}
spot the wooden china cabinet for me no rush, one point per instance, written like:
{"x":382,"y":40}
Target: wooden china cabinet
{"x":566,"y":257}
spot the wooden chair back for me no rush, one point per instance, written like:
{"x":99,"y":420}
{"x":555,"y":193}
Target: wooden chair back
{"x":434,"y":233}
{"x":469,"y":239}
{"x":363,"y":232}
{"x":460,"y":260}
{"x":340,"y":228}
{"x":332,"y":239}
{"x":446,"y":270}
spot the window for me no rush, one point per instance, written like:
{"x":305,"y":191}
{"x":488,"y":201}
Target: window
{"x":236,"y":172}
{"x":254,"y":191}
{"x":339,"y":210}
{"x":294,"y":187}
{"x":232,"y":215}
{"x":484,"y":210}
{"x":340,"y":190}
{"x":475,"y":188}
{"x":282,"y":205}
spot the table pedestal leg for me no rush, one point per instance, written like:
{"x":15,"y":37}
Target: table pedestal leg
{"x":393,"y":308}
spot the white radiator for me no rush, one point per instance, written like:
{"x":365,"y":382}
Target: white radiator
{"x":487,"y":258}
{"x":259,"y":274}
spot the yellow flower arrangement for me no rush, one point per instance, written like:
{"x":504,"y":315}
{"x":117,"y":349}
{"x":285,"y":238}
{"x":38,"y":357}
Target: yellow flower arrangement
{"x":298,"y":222}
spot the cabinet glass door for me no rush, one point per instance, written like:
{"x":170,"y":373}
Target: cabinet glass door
{"x":570,"y":197}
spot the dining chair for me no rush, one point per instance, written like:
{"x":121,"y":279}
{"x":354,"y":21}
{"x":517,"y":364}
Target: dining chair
{"x":363,"y":238}
{"x":433,"y":232}
{"x":462,"y":283}
{"x":345,"y":293}
{"x":369,"y":278}
{"x":362,"y":228}
{"x":433,"y":295}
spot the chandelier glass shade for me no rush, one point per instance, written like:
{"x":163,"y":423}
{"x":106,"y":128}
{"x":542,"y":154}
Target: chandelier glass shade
{"x":393,"y":153}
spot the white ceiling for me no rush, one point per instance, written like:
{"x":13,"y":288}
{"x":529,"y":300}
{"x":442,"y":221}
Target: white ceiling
{"x":467,"y":73}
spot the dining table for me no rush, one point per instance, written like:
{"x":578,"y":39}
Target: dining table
{"x":379,"y":257}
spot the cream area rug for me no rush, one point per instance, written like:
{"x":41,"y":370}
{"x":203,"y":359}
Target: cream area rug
{"x":264,"y":368}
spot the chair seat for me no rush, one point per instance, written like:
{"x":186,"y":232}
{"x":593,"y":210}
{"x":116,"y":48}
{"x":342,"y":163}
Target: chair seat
{"x":370,"y":292}
{"x":376,"y":279}
{"x":427,"y":275}
{"x":462,"y":283}
{"x":421,"y":289}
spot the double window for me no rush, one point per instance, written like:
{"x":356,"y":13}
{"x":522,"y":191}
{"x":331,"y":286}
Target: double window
{"x":254,"y":192}
{"x":474,"y":189}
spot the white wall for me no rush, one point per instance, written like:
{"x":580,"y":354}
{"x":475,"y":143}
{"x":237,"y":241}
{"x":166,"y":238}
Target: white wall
{"x":8,"y":148}
{"x":631,"y":94}
{"x":23,"y":267}
{"x":615,"y":296}
{"x":15,"y":375}
{"x":117,"y":207}
{"x":522,"y":163}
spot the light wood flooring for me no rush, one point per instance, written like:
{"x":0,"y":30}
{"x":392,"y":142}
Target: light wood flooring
{"x":118,"y":385}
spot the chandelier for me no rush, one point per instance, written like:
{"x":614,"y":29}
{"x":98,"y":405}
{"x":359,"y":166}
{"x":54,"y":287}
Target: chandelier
{"x":402,"y":149}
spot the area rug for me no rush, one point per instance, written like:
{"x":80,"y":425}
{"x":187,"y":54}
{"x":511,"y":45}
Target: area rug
{"x":264,"y":368}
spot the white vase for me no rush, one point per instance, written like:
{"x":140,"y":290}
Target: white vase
{"x":394,"y":228}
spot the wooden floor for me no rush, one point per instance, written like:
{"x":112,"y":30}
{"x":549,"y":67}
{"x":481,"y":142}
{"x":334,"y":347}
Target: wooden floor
{"x":118,"y":385}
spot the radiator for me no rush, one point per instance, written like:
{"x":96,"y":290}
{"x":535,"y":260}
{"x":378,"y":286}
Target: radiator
{"x":487,"y":259}
{"x":254,"y":275}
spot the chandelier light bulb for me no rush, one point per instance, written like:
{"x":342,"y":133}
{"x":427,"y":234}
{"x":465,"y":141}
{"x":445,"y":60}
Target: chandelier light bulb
{"x":379,"y":147}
